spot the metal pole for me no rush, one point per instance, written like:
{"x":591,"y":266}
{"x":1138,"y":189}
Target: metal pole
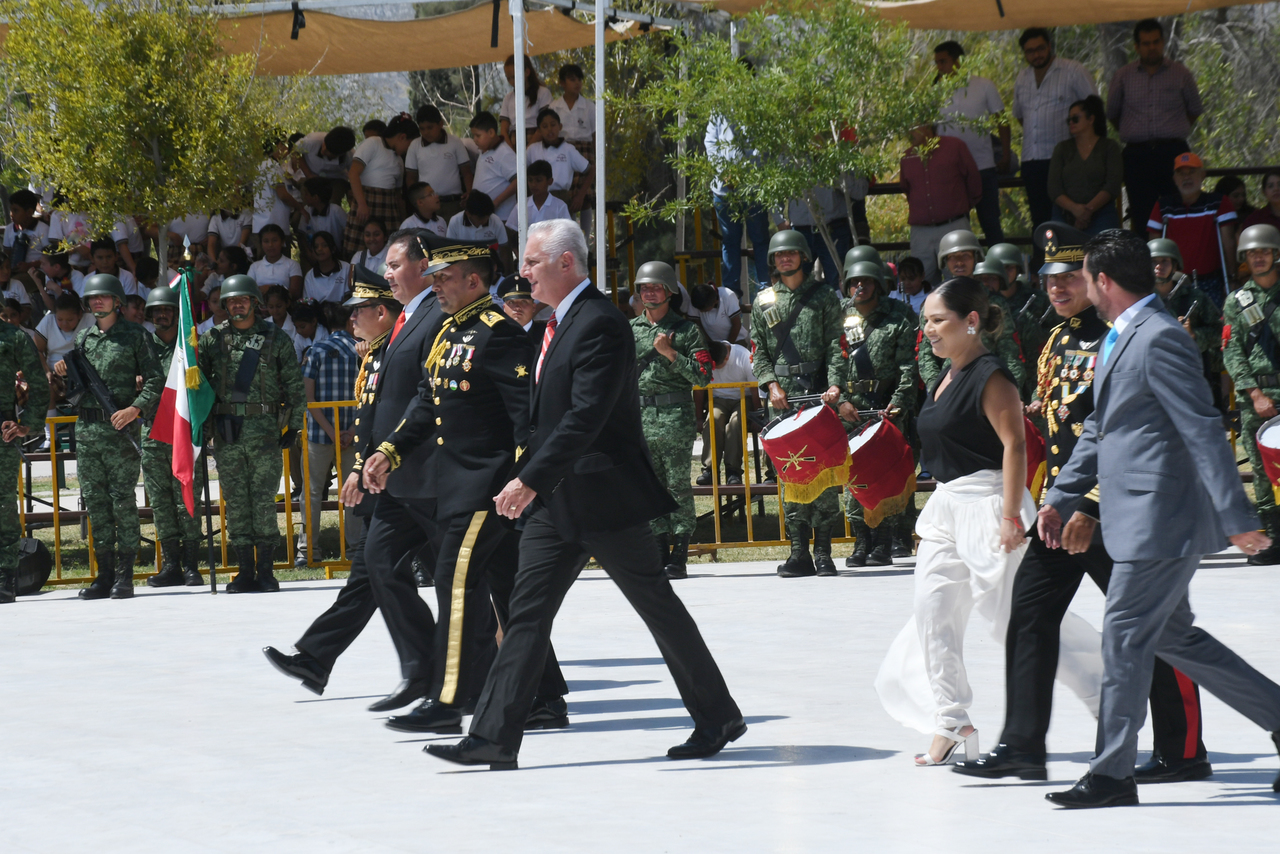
{"x":522,"y":187}
{"x":602,"y":240}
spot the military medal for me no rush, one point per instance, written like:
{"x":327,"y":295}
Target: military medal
{"x":453,"y":385}
{"x":464,"y":385}
{"x":466,"y":366}
{"x":1063,"y":412}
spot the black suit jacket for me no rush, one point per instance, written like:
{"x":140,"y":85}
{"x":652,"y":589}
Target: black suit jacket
{"x":472,"y":407}
{"x":587,"y":459}
{"x":396,"y":389}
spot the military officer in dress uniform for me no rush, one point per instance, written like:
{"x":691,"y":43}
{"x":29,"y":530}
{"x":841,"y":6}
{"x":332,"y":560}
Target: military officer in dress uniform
{"x":672,"y":359}
{"x":178,"y":532}
{"x":1047,"y":579}
{"x":108,"y":458}
{"x":19,"y":360}
{"x":258,"y":410}
{"x":1183,"y":298}
{"x":520,"y":306}
{"x":795,"y":332}
{"x":1252,"y":358}
{"x":474,"y":408}
{"x":958,"y":254}
{"x":880,"y":340}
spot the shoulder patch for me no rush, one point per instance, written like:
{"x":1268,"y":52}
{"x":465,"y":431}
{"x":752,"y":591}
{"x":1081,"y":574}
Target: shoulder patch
{"x":491,"y":318}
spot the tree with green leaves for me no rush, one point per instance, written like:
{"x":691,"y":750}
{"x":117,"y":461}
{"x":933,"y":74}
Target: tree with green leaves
{"x":828,"y":90}
{"x":133,"y":107}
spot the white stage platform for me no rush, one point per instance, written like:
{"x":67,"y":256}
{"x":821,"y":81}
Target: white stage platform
{"x":155,"y":725}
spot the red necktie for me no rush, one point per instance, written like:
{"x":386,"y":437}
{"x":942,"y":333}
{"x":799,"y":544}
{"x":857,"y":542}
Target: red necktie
{"x":395,"y":330}
{"x":546,"y":342}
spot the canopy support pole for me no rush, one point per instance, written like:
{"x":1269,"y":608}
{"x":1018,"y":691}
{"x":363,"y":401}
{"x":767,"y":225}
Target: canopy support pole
{"x":522,"y":182}
{"x":601,"y":214}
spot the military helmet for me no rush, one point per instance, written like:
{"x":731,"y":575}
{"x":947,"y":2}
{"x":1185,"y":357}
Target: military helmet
{"x":657,"y":273}
{"x":865,"y":270}
{"x":1006,"y":254}
{"x":162,"y":295}
{"x":992,"y":267}
{"x":862,"y":252}
{"x":1259,"y":236}
{"x":239,"y":285}
{"x":789,"y":240}
{"x":1163,"y":247}
{"x":102,"y":283}
{"x":960,"y":240}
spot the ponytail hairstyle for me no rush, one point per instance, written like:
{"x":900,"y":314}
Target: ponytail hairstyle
{"x":532,"y":82}
{"x":965,"y":296}
{"x":402,"y":123}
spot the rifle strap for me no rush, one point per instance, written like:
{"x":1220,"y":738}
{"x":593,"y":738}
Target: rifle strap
{"x":1260,"y":330}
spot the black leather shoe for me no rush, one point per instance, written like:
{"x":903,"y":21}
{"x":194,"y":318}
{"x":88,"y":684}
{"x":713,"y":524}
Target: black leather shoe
{"x":408,"y":691}
{"x":703,"y":744}
{"x":1161,"y":770}
{"x":1275,"y":739}
{"x":422,"y":574}
{"x":1270,"y":556}
{"x":474,"y":750}
{"x":431,"y":716}
{"x":1095,"y":790}
{"x":551,"y":713}
{"x":704,"y":478}
{"x":300,"y":666}
{"x":1004,"y":761}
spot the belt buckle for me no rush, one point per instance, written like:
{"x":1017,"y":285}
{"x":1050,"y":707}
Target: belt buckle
{"x":239,"y":409}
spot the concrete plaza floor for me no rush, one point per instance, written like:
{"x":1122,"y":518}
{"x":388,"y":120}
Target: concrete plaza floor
{"x":155,"y":725}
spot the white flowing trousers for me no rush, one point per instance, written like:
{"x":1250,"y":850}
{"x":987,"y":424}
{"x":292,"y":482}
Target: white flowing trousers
{"x":960,"y":566}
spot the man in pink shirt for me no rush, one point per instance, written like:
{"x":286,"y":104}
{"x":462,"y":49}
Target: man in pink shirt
{"x":942,"y":183}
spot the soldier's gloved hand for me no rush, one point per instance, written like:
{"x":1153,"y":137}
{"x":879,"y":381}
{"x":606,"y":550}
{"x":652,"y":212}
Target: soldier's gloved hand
{"x":288,"y":437}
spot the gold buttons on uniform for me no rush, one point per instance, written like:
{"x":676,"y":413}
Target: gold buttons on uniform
{"x":1052,"y":450}
{"x":438,"y":421}
{"x":435,"y":400}
{"x":1054,"y":471}
{"x":440,"y":441}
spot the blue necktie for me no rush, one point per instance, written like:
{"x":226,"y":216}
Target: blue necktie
{"x":1108,"y":343}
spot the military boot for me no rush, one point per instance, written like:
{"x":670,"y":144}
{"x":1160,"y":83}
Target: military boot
{"x":880,"y":554}
{"x":8,"y":586}
{"x":100,"y":587}
{"x":677,"y":562}
{"x":861,"y":546}
{"x":266,"y":572}
{"x":122,"y":587}
{"x":664,"y":549}
{"x":799,"y":564}
{"x":191,"y":563}
{"x":244,"y":581}
{"x":170,"y":574}
{"x":822,"y":561}
{"x":902,"y":543}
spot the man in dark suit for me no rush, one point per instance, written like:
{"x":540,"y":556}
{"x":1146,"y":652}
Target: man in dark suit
{"x":403,"y":515}
{"x":593,"y":491}
{"x":473,"y":405}
{"x":374,"y":312}
{"x":1168,"y":495}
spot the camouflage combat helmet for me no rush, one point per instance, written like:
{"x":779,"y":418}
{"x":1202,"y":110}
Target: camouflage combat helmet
{"x":102,"y":283}
{"x":865,"y":270}
{"x":1005,"y":254}
{"x":789,"y":240}
{"x":162,"y":295}
{"x":1259,"y":236}
{"x":992,"y":267}
{"x":960,"y":240}
{"x":657,"y":273}
{"x":239,"y":285}
{"x":862,"y":252}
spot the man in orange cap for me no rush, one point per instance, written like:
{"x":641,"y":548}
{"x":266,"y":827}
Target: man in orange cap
{"x":1202,"y":224}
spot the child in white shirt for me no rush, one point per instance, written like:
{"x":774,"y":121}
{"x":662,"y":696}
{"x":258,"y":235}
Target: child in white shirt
{"x":276,"y":268}
{"x":426,"y":210}
{"x":564,"y":158}
{"x":478,"y":221}
{"x":496,"y":168}
{"x":541,"y":204}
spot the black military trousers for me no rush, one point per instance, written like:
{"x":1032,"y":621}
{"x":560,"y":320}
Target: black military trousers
{"x":397,"y":530}
{"x":1046,"y":582}
{"x":332,"y":632}
{"x":502,"y":580}
{"x":548,"y":567}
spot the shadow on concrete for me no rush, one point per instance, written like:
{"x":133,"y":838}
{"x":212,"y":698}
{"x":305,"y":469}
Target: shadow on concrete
{"x":606,"y":684}
{"x":750,"y":757}
{"x":612,"y":662}
{"x":336,"y":699}
{"x":638,"y":704}
{"x":681,"y":722}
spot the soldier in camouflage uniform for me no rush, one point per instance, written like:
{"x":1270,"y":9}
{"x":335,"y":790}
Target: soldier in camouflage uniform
{"x":795,"y":330}
{"x":1197,"y":313}
{"x":1253,"y":360}
{"x":672,"y":358}
{"x":107,"y":462}
{"x":256,"y":414}
{"x":880,"y":339}
{"x":1023,"y":308}
{"x":17,"y":356}
{"x":177,"y":531}
{"x":958,"y":254}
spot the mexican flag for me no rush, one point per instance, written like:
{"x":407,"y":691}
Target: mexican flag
{"x":186,"y":400}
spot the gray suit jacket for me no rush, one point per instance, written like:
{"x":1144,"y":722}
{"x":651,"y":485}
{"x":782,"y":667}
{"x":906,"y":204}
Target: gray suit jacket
{"x":1156,"y":449}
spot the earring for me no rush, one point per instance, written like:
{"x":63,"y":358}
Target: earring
{"x":972,"y":331}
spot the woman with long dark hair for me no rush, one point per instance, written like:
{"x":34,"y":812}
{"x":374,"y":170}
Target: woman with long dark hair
{"x":1086,"y":170}
{"x":533,"y":96}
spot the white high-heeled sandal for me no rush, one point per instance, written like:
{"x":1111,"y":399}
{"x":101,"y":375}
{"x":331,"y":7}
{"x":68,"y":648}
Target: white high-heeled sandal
{"x":970,"y":742}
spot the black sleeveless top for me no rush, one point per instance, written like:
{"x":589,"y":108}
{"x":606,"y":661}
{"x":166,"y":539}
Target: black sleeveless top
{"x":956,"y":438}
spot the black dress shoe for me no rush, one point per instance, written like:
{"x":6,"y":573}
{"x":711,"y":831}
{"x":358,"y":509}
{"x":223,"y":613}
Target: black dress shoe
{"x":431,"y":716}
{"x":708,"y":743}
{"x":1161,"y":770}
{"x":1096,"y":790}
{"x":1004,"y":761}
{"x":551,"y":713}
{"x":474,"y":750}
{"x":1275,"y":739}
{"x":408,"y":691}
{"x":300,"y":666}
{"x":422,"y":574}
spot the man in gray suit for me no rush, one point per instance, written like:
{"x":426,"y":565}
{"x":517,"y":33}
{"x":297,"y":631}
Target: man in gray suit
{"x":1169,"y":495}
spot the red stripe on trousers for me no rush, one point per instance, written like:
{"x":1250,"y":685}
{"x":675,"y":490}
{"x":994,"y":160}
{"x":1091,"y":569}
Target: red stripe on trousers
{"x":1191,"y":709}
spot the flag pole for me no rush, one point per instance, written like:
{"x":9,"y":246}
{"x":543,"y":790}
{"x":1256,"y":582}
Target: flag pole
{"x":208,"y":525}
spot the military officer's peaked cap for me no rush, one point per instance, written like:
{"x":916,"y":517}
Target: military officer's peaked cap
{"x":1063,"y":247}
{"x":515,"y":287}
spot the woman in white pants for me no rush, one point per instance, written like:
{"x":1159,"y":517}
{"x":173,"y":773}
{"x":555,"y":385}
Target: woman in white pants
{"x":973,"y":530}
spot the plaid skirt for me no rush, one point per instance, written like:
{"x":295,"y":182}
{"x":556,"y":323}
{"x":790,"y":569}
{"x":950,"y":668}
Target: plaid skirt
{"x":386,"y":205}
